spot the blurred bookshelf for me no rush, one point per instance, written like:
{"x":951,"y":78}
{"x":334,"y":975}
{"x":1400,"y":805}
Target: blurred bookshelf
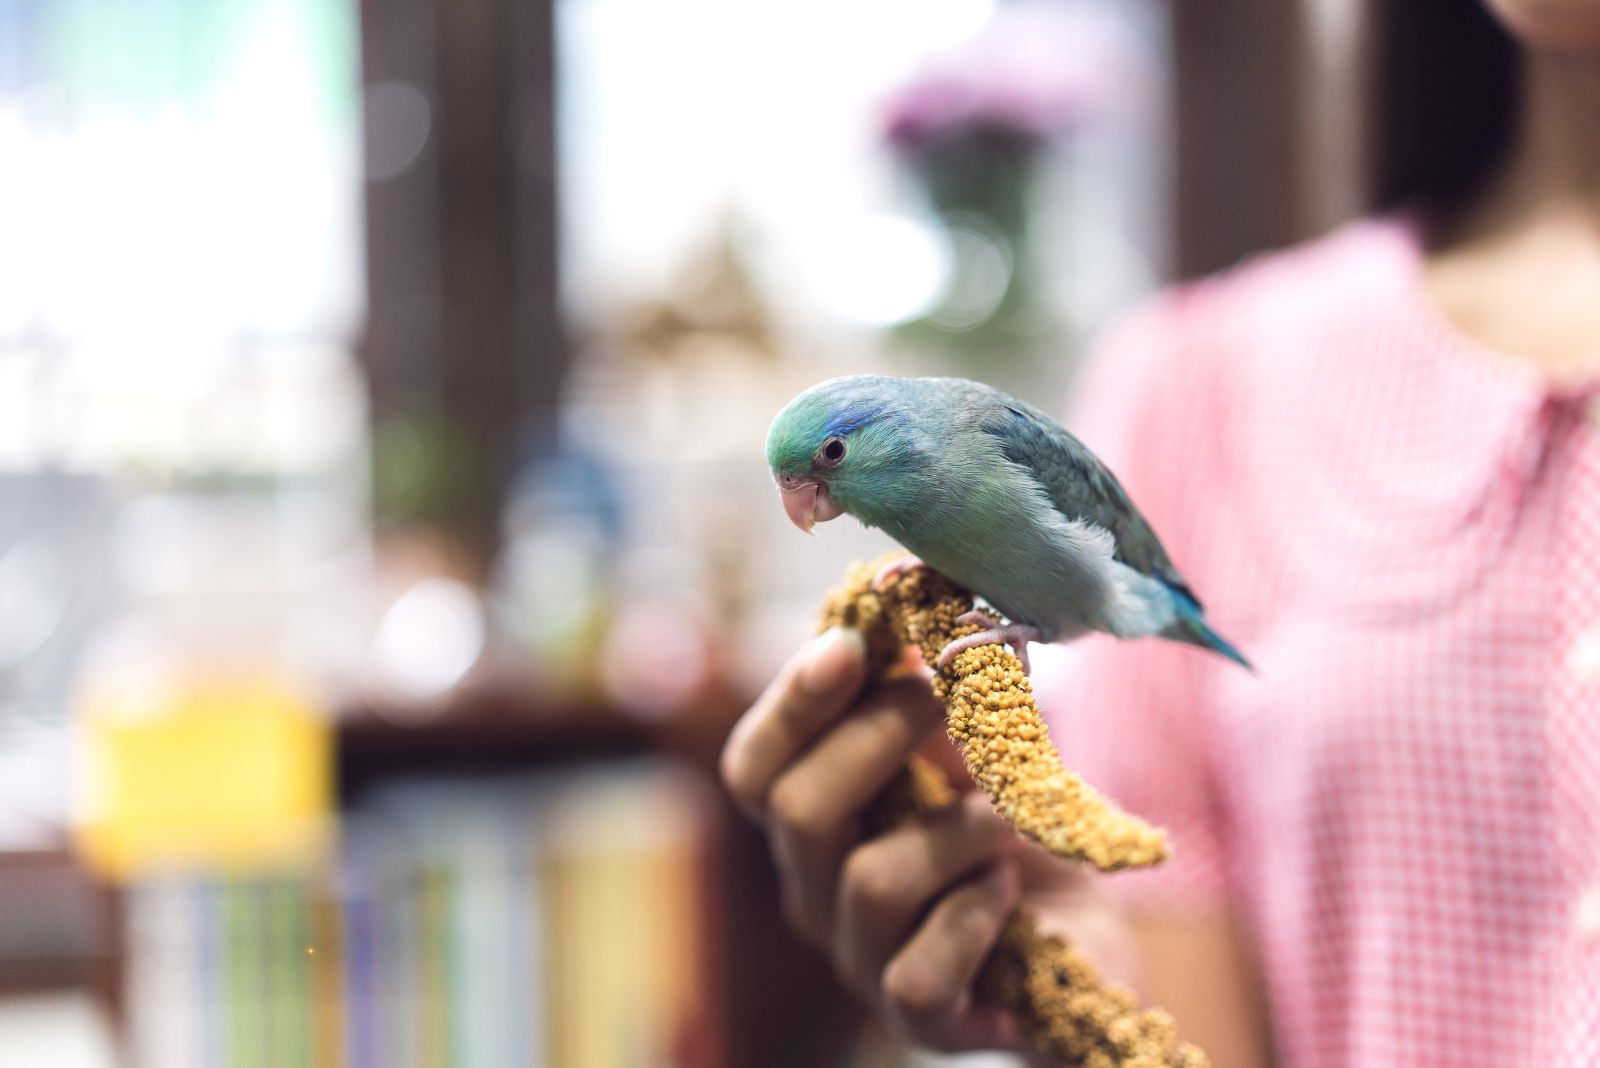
{"x":61,"y":928}
{"x":525,"y":919}
{"x":499,"y":728}
{"x":514,"y":884}
{"x":632,"y":815}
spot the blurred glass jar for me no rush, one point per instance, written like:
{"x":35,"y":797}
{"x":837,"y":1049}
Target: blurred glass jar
{"x":553,"y":578}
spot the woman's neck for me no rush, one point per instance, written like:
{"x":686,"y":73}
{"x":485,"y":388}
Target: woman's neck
{"x":1519,"y":271}
{"x":1553,"y":166}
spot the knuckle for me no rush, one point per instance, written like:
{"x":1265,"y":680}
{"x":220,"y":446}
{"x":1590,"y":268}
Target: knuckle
{"x":798,"y":809}
{"x":916,"y":995}
{"x":734,"y":771}
{"x":870,"y":882}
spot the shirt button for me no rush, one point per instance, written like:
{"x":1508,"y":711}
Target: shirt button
{"x":1583,"y":657}
{"x":1586,"y":916}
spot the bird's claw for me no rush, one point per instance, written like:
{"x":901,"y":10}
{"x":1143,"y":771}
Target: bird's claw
{"x":893,"y":570}
{"x":1016,"y":635}
{"x":975,"y":618}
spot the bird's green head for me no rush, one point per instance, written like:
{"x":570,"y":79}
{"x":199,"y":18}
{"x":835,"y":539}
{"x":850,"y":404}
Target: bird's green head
{"x":845,"y":445}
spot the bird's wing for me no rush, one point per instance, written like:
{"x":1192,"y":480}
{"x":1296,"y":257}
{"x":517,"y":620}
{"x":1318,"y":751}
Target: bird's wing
{"x":1079,"y":485}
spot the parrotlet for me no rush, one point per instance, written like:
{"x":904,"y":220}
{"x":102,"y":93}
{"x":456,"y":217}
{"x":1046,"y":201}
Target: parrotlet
{"x":994,"y":494}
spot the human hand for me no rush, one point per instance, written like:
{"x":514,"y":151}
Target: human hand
{"x":909,"y":916}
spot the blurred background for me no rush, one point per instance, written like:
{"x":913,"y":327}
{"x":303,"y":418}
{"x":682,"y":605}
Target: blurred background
{"x":385,"y":541}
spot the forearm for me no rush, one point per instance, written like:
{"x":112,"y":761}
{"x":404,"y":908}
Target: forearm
{"x":1202,"y":968}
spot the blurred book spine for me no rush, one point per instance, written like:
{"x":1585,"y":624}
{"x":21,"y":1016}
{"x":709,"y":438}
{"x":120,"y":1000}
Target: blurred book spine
{"x":557,"y":921}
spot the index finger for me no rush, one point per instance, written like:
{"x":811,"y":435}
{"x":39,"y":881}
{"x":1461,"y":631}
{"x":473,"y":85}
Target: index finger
{"x":813,"y":688}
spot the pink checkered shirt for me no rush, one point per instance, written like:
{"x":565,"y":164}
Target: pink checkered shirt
{"x":1403,"y":532}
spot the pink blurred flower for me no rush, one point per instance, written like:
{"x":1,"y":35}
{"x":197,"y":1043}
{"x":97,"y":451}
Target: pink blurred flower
{"x":1037,"y":71}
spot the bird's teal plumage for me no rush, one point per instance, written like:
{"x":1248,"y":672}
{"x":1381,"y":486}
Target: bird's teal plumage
{"x":993,"y":493}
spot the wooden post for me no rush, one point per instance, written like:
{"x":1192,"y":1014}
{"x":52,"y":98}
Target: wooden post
{"x":462,"y":245}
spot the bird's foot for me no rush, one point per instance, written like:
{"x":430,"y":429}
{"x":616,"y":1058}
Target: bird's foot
{"x":894,"y":569}
{"x":1016,"y":635}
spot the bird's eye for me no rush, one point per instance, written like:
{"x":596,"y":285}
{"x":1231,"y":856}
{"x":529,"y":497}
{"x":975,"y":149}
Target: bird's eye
{"x":832,"y":452}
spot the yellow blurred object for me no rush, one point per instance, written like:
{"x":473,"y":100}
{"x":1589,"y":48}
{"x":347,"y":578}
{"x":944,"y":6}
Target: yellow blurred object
{"x":230,"y":773}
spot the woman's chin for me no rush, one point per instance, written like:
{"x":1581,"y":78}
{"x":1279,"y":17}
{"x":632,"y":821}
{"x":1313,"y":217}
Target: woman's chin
{"x":1562,"y":26}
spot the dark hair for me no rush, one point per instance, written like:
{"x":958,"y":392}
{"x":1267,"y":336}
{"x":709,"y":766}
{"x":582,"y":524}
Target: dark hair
{"x":1445,"y":101}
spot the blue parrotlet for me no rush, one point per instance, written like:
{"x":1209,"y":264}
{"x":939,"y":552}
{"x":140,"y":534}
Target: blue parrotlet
{"x":994,"y":494}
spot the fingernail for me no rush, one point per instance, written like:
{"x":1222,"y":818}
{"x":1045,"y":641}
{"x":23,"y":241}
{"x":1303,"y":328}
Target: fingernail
{"x":835,"y":659}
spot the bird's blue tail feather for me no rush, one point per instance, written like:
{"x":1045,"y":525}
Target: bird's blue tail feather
{"x":1192,"y":627}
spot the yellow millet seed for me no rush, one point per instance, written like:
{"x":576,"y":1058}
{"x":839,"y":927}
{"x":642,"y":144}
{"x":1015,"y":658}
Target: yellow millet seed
{"x":1064,"y":1009}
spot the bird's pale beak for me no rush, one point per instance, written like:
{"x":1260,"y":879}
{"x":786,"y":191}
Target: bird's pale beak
{"x":806,"y":502}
